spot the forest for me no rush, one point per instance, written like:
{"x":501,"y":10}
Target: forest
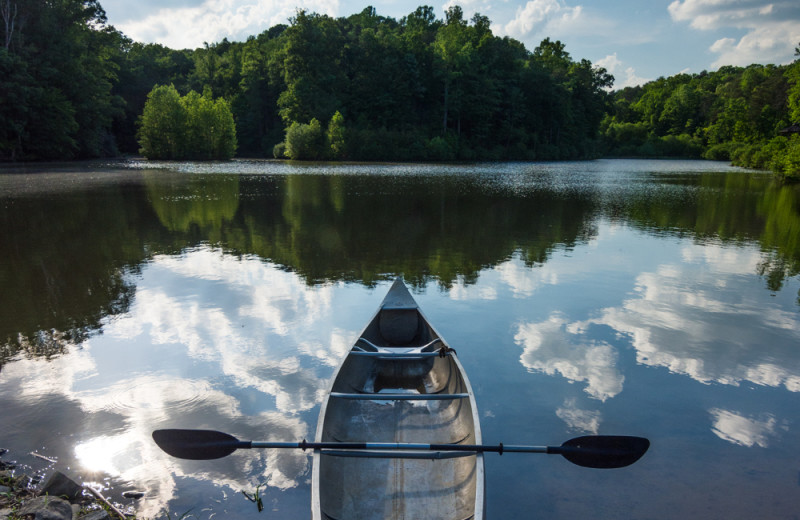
{"x":367,"y":87}
{"x":747,"y":115}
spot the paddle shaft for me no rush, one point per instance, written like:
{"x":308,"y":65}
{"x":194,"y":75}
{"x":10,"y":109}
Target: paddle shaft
{"x":478,"y":448}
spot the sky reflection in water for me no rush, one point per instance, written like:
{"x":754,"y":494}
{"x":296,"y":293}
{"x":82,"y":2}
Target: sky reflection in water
{"x":622,"y":330}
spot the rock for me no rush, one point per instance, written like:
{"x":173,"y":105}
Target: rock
{"x":60,"y":485}
{"x":6,"y":513}
{"x":133,"y":494}
{"x":46,"y":508}
{"x":21,"y":482}
{"x":5,"y":489}
{"x":100,"y":514}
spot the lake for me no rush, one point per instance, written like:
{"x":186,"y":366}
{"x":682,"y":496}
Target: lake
{"x":626,"y":297}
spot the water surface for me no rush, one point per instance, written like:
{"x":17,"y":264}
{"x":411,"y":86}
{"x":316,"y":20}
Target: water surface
{"x":652,"y":298}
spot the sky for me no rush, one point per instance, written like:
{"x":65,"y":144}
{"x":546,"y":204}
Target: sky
{"x":635,"y":40}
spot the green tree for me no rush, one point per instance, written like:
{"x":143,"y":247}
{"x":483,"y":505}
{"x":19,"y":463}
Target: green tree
{"x":63,"y":61}
{"x":142,"y":67}
{"x":793,"y":76}
{"x":163,"y":124}
{"x":189,"y":127}
{"x":209,"y":128}
{"x":336,"y":136}
{"x":311,"y":68}
{"x":305,"y":141}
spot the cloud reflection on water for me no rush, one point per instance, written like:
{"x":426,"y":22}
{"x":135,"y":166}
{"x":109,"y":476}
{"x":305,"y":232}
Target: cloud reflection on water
{"x":695,"y":316}
{"x":744,"y":431}
{"x":692,"y":319}
{"x":585,"y":421}
{"x":552,"y":347}
{"x":251,"y":335}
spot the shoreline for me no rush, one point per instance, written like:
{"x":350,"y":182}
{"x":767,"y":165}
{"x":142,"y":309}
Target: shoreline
{"x":59,"y":498}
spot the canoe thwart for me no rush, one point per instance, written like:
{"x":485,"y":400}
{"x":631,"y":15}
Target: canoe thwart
{"x":372,"y":347}
{"x":396,"y":356}
{"x":400,"y":397}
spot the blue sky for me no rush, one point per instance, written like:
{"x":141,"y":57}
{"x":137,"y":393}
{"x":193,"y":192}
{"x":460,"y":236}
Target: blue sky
{"x":636,"y":40}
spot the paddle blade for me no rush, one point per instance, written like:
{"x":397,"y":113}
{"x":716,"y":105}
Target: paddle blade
{"x":197,"y":444}
{"x":604,"y":451}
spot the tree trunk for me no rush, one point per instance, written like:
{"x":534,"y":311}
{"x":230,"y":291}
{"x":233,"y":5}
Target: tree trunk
{"x":9,"y":17}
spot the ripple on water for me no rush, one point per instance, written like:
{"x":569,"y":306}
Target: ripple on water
{"x":162,"y":397}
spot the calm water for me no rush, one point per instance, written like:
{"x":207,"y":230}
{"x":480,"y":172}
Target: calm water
{"x":646,"y":298}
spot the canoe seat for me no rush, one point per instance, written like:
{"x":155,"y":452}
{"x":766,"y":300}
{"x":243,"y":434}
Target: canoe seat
{"x":399,"y":397}
{"x":398,"y":326}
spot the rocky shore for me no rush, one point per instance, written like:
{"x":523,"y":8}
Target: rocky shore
{"x":60,"y":498}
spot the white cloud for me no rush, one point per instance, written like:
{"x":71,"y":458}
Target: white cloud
{"x":541,"y":17}
{"x":463,"y":292}
{"x":554,"y":347}
{"x":213,"y":20}
{"x":772,"y":29}
{"x":247,"y":339}
{"x":586,"y":421}
{"x":693,"y":321}
{"x":623,"y":76}
{"x":773,"y":43}
{"x":524,"y":281}
{"x":470,"y":7}
{"x":744,"y":431}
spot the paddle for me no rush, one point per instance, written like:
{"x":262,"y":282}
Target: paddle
{"x":594,"y":451}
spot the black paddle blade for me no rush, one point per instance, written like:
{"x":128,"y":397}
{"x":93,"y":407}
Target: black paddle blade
{"x":197,"y":444}
{"x":604,"y":451}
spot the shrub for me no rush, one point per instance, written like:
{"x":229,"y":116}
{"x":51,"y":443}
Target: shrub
{"x":336,"y":136}
{"x":439,"y":149}
{"x":789,"y":163}
{"x":279,"y":150}
{"x":306,"y":141}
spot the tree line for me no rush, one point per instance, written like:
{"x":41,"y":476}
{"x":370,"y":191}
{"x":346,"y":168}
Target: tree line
{"x":366,"y":87}
{"x":748,"y":115}
{"x":369,"y":87}
{"x":414,"y":88}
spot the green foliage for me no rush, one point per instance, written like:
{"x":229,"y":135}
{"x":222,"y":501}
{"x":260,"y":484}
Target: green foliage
{"x":789,"y":163}
{"x":733,"y":114}
{"x":401,"y":85}
{"x":73,"y":87}
{"x":58,"y":67}
{"x":209,"y":130}
{"x":439,"y":149}
{"x":162,"y":132}
{"x":306,"y":141}
{"x":793,"y":77}
{"x":142,"y":67}
{"x":336,"y":136}
{"x":189,"y":127}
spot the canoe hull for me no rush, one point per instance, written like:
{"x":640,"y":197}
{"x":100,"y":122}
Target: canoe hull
{"x":429,"y":401}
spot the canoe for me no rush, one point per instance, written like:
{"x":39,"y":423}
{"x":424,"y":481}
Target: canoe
{"x":399,"y":383}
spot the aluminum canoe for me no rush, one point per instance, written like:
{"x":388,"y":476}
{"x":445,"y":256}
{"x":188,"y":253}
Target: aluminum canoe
{"x":400,"y":382}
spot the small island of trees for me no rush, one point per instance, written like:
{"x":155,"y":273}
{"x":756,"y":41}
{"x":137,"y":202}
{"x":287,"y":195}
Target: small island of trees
{"x":366,"y":87}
